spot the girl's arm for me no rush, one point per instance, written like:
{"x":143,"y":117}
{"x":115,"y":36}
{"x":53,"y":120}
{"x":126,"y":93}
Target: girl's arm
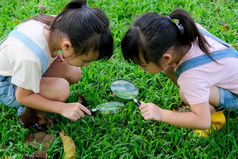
{"x":33,"y":100}
{"x":198,"y":118}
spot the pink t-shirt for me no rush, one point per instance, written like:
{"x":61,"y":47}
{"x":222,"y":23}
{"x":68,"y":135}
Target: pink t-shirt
{"x":196,"y":82}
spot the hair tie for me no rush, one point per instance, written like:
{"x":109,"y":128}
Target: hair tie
{"x":180,"y":27}
{"x":169,"y":18}
{"x":83,"y":6}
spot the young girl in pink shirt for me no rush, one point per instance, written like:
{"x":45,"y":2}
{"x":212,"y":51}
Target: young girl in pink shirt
{"x":203,"y":65}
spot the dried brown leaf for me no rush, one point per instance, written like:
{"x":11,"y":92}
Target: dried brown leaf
{"x":69,"y":146}
{"x":7,"y":157}
{"x":44,"y":119}
{"x":226,"y":27}
{"x":31,"y":118}
{"x":235,"y":46}
{"x":41,"y":7}
{"x":37,"y":155}
{"x":41,"y":138}
{"x":82,"y":100}
{"x":28,"y":117}
{"x":4,"y":147}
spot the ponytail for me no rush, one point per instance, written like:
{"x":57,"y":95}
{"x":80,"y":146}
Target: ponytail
{"x":51,"y":20}
{"x":155,"y":34}
{"x":87,"y":28}
{"x":74,"y":4}
{"x":190,"y":30}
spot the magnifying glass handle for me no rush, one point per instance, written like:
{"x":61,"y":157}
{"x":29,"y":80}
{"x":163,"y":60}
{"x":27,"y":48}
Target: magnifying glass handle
{"x":136,"y":101}
{"x":91,"y":110}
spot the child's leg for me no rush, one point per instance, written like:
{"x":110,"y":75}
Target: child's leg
{"x":54,"y":88}
{"x":213,"y":98}
{"x":63,"y":70}
{"x":217,"y":118}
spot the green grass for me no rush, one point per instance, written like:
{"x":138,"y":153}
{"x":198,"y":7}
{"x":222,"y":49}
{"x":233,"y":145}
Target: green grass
{"x":125,"y":134}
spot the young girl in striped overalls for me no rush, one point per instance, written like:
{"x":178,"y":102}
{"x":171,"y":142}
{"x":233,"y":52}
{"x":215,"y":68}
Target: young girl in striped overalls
{"x":203,"y":64}
{"x":35,"y":75}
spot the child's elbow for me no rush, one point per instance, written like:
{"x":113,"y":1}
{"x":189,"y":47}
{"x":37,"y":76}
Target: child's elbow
{"x":20,"y":100}
{"x":205,"y":124}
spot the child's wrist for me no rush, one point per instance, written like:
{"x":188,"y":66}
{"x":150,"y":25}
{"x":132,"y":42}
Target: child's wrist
{"x":163,"y":115}
{"x":60,"y":108}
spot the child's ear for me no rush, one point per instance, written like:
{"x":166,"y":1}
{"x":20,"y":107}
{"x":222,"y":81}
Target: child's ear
{"x":167,"y":57}
{"x":66,"y":47}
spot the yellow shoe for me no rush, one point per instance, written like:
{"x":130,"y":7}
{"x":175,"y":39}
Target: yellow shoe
{"x":218,"y":120}
{"x":203,"y":133}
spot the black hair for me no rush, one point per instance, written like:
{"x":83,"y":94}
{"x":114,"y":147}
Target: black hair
{"x":151,"y":35}
{"x":87,"y":28}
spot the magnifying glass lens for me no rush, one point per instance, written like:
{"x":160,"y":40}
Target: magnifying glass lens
{"x":124,"y":89}
{"x":110,"y":106}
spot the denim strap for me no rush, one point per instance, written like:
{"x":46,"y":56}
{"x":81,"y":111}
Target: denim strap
{"x":32,"y":46}
{"x":215,"y":38}
{"x":205,"y":59}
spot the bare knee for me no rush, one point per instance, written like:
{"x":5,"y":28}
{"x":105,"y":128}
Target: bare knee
{"x":182,"y":97}
{"x":63,"y":89}
{"x":52,"y":88}
{"x":63,"y":70}
{"x":74,"y":75}
{"x":214,"y":96}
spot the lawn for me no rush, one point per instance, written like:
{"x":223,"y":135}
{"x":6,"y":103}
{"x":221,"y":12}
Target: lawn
{"x":125,"y":134}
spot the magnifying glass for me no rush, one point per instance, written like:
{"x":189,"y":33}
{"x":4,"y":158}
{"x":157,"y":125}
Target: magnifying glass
{"x":109,"y":108}
{"x":125,"y":89}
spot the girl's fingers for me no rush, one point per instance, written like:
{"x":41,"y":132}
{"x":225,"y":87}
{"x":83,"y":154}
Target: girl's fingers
{"x":80,"y":114}
{"x":147,"y":117}
{"x":84,"y":109}
{"x":75,"y":118}
{"x":144,"y":110}
{"x":146,"y":113}
{"x":142,"y":106}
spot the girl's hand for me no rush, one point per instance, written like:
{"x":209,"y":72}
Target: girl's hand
{"x":150,"y":111}
{"x":74,"y":111}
